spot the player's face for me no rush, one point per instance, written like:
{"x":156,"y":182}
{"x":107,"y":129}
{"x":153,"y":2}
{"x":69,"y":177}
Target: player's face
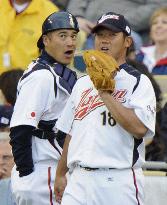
{"x":112,"y":43}
{"x":159,"y":29}
{"x":61,"y":45}
{"x":6,"y":159}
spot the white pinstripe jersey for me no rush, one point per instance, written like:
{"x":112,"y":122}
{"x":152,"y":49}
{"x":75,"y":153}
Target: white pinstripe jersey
{"x":97,"y":139}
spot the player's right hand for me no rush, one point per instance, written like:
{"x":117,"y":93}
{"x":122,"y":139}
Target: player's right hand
{"x":59,"y":187}
{"x":85,"y":24}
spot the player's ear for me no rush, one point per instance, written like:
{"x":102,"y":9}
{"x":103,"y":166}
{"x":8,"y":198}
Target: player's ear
{"x":45,"y":40}
{"x":128,"y":41}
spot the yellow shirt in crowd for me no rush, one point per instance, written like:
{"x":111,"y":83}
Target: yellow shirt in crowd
{"x":19,"y":32}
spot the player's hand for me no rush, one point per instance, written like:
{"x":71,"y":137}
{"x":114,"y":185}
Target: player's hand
{"x":85,"y":25}
{"x":59,"y":187}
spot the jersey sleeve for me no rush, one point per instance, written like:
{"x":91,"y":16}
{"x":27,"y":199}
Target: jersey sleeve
{"x":33,"y":99}
{"x":66,"y":119}
{"x":143,"y":102}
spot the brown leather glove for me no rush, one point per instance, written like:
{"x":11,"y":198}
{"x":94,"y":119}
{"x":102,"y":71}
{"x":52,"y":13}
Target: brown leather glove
{"x":101,"y":68}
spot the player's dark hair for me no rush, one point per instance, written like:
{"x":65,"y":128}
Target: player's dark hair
{"x":8,"y":84}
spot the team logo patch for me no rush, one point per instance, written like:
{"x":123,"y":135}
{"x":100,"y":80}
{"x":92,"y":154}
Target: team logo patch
{"x":87,"y":104}
{"x":50,"y":21}
{"x":151,"y":109}
{"x":119,"y":95}
{"x":31,"y":115}
{"x":71,"y":20}
{"x":104,"y":17}
{"x":90,"y":101}
{"x":127,"y":29}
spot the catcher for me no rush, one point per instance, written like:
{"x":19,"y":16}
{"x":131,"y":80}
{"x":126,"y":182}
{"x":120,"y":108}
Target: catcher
{"x":106,"y":118}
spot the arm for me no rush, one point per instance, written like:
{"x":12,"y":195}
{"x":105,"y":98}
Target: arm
{"x":62,"y":169}
{"x":23,"y":123}
{"x":85,"y":24}
{"x":126,"y":117}
{"x":21,"y":137}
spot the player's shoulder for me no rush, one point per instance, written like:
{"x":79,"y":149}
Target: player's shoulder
{"x":130,"y":70}
{"x":38,"y":73}
{"x":81,"y":82}
{"x":40,"y":70}
{"x":138,"y":70}
{"x":83,"y":79}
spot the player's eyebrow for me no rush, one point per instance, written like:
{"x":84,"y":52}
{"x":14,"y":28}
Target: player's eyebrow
{"x":65,"y":32}
{"x":62,"y":32}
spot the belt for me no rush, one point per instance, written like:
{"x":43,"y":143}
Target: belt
{"x":94,"y":169}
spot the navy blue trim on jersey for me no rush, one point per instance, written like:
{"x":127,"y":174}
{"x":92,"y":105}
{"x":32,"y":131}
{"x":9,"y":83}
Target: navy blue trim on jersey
{"x":37,"y":67}
{"x":137,"y":142}
{"x":49,"y":59}
{"x":67,"y":78}
{"x":131,"y":71}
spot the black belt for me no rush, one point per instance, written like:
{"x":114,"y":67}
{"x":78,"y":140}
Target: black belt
{"x":94,"y":169}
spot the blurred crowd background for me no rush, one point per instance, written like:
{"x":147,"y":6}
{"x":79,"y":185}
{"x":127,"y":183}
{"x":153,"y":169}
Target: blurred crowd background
{"x":21,"y":22}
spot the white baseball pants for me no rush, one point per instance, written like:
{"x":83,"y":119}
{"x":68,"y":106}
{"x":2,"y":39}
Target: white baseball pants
{"x":36,"y":188}
{"x":104,"y":187}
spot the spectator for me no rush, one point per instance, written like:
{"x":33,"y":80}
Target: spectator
{"x":8,"y":84}
{"x":8,"y":87}
{"x":6,"y":158}
{"x":155,"y":56}
{"x":6,"y":164}
{"x":137,"y":12}
{"x":21,"y":22}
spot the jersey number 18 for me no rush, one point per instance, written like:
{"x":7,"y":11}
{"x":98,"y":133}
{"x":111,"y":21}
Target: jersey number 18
{"x":107,"y":118}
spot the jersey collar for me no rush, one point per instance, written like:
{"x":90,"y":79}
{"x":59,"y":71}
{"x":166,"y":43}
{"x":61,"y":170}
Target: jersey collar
{"x":123,"y":66}
{"x":47,"y":57}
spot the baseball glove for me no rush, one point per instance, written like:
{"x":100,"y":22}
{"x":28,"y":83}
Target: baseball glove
{"x":101,"y":68}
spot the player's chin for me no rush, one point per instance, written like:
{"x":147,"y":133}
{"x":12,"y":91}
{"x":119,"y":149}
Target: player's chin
{"x":110,"y":53}
{"x":105,"y":51}
{"x":67,"y":60}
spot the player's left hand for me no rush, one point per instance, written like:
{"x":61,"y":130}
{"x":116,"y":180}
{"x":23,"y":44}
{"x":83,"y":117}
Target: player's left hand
{"x":59,"y":187}
{"x":101,"y":68}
